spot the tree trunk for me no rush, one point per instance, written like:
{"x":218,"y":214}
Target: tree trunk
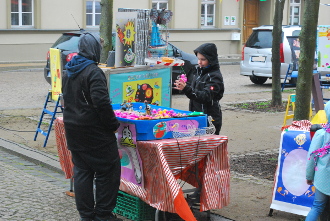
{"x":306,"y":59}
{"x":106,"y":27}
{"x":276,"y":63}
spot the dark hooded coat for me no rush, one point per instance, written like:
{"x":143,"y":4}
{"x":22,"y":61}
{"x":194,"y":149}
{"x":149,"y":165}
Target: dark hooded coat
{"x":206,"y":85}
{"x":88,"y":116}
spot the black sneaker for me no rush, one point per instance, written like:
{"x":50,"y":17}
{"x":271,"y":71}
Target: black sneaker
{"x":113,"y":217}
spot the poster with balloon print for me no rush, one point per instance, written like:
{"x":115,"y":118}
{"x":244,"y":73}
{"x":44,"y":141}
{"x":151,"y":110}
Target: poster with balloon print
{"x":291,"y":192}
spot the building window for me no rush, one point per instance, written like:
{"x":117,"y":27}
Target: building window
{"x":295,"y":6}
{"x":159,"y":4}
{"x":208,"y":13}
{"x":93,"y":13}
{"x":22,"y":13}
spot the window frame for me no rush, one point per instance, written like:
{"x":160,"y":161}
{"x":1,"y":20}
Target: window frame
{"x":93,"y":13}
{"x":20,"y":15}
{"x":292,"y":7}
{"x":158,"y":2}
{"x":206,"y":15}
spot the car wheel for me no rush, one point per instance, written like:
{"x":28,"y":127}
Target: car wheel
{"x":293,"y":80}
{"x":258,"y":80}
{"x":47,"y":78}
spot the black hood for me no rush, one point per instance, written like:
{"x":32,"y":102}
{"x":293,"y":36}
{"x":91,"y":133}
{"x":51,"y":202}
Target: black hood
{"x":210,"y":52}
{"x":90,"y":46}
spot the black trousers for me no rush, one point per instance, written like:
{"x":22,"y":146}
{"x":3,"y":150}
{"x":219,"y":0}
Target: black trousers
{"x":103,"y":166}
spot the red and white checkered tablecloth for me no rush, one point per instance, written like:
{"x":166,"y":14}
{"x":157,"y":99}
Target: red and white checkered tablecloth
{"x":165,"y":161}
{"x":63,"y":153}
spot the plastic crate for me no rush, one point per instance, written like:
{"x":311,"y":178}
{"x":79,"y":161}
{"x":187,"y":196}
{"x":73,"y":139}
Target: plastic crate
{"x":133,"y":208}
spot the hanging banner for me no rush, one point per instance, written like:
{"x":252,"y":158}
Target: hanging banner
{"x":294,"y":43}
{"x":131,"y":164}
{"x":126,"y":24}
{"x":152,"y":86}
{"x":55,"y":72}
{"x":323,"y":48}
{"x":291,"y":192}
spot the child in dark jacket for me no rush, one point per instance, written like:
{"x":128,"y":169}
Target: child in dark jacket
{"x":206,"y":87}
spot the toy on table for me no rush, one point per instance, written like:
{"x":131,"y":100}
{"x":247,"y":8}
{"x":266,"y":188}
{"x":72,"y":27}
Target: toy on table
{"x":147,"y":108}
{"x":123,"y":105}
{"x":126,"y":106}
{"x":129,"y":106}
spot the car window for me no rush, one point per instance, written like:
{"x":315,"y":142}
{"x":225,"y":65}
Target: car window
{"x":260,"y":39}
{"x":162,"y":50}
{"x":67,"y":43}
{"x":296,"y":33}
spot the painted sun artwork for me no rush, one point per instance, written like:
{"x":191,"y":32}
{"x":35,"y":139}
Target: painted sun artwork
{"x":126,"y":35}
{"x":129,"y":33}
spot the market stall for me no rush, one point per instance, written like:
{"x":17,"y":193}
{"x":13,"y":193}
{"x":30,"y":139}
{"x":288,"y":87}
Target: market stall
{"x":151,"y":165}
{"x":158,"y":144}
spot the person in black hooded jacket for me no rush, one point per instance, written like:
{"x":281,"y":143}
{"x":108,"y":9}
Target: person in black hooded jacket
{"x":206,"y":85}
{"x":90,"y":125}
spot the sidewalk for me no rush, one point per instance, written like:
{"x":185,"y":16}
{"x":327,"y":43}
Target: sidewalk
{"x":32,"y":192}
{"x":38,"y":157}
{"x":22,"y":66}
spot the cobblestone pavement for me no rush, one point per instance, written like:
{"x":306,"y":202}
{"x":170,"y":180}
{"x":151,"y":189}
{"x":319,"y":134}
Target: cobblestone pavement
{"x":32,"y":192}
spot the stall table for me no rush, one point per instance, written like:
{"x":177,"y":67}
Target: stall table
{"x":165,"y":161}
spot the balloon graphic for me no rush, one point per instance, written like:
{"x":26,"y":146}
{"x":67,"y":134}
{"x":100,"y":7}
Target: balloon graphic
{"x":294,"y":172}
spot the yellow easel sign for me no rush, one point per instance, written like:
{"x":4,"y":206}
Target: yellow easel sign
{"x":55,"y":72}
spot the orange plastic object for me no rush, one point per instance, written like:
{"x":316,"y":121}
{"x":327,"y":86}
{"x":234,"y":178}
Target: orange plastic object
{"x":167,"y":60}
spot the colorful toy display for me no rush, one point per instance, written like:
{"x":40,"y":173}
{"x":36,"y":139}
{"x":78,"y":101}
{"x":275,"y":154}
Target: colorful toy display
{"x":147,"y":113}
{"x":151,"y":122}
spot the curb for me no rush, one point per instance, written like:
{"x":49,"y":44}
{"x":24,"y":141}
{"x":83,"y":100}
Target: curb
{"x":21,"y":69}
{"x":38,"y":157}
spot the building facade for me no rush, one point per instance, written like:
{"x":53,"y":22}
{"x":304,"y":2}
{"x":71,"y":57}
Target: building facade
{"x":29,"y":27}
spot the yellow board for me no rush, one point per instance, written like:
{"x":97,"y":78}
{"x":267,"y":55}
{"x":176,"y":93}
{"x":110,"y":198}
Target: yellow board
{"x":319,"y":118}
{"x":55,"y":72}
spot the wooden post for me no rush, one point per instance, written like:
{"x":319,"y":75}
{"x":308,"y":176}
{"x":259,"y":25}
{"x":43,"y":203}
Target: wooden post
{"x":317,"y":93}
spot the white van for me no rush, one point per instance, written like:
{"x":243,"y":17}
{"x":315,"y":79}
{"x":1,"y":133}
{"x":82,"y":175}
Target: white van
{"x":257,"y":53}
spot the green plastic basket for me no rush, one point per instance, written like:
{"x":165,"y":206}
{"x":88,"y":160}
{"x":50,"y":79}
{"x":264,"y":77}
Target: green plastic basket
{"x":133,"y":208}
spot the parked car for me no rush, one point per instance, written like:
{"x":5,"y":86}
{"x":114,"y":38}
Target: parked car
{"x":256,"y":60}
{"x":190,"y":60}
{"x":68,"y":44}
